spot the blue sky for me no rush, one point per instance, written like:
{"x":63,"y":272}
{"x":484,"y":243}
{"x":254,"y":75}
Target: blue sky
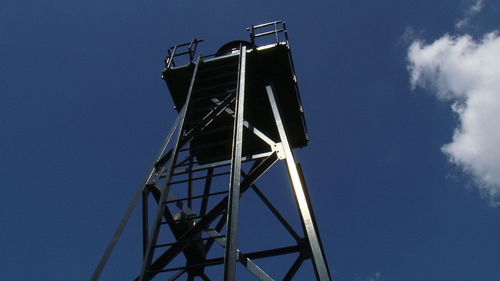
{"x":83,"y":111}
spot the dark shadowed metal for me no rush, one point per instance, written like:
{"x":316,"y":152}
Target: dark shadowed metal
{"x":231,"y":254}
{"x":239,"y":114}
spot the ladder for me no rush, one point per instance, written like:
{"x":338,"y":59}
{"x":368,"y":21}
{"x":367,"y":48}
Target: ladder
{"x":204,"y":168}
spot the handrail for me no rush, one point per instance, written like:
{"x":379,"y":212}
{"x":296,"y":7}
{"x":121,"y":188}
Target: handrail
{"x":187,"y":43}
{"x":173,"y":52}
{"x":279,"y":27}
{"x":269,"y":32}
{"x":189,"y":48}
{"x":265,"y":24}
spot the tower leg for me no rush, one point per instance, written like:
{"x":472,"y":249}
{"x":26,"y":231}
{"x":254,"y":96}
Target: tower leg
{"x":305,"y":209}
{"x":231,"y":251}
{"x":150,"y":177}
{"x":165,"y":189}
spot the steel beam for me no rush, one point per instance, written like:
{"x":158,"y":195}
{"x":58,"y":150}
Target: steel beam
{"x":151,"y":177}
{"x":276,"y":213}
{"x":294,"y":268}
{"x":204,"y":222}
{"x":165,"y":189}
{"x":305,"y":208}
{"x":231,"y":253}
{"x":247,"y":125}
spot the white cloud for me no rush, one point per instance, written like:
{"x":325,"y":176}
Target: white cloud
{"x":472,"y":11}
{"x":466,"y":72}
{"x":462,"y":23}
{"x":477,"y":7}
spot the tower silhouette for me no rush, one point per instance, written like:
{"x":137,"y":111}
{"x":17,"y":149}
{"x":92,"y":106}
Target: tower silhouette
{"x":239,"y":114}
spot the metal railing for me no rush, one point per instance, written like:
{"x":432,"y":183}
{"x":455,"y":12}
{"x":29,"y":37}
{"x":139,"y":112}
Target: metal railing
{"x":274,"y":28}
{"x":187,"y":49}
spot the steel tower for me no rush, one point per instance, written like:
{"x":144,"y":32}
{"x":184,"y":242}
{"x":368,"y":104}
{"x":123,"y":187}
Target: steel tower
{"x":239,"y":113}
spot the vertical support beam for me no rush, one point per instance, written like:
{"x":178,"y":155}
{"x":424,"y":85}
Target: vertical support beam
{"x":231,"y":253}
{"x":308,"y":220}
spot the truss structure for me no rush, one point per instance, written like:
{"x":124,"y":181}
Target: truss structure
{"x":218,"y":148}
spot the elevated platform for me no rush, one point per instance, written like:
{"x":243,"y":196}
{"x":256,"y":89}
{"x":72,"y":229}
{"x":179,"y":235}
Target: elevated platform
{"x":217,"y":78}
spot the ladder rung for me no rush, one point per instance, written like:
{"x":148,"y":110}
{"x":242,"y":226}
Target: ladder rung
{"x":205,"y":146}
{"x":214,"y":130}
{"x":214,"y":261}
{"x":221,"y":163}
{"x":199,"y":178}
{"x":196,"y":197}
{"x":199,"y":239}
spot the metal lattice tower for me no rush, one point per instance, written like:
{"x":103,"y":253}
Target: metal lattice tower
{"x":239,"y":113}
